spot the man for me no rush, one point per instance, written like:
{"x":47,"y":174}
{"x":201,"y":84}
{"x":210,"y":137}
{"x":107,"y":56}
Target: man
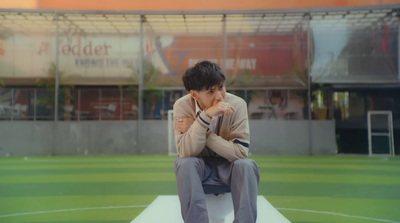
{"x":212,"y":141}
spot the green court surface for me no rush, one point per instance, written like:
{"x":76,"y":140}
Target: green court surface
{"x":116,"y":189}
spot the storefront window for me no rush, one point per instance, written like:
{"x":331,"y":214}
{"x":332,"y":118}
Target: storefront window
{"x":341,"y":105}
{"x":352,"y":49}
{"x":276,"y":104}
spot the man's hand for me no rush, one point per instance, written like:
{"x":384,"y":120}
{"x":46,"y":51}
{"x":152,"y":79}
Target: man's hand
{"x":183,"y":124}
{"x":221,"y":108}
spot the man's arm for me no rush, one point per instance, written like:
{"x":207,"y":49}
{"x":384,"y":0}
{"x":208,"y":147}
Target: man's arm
{"x":190,"y":143}
{"x":182,"y":124}
{"x":238,"y":142}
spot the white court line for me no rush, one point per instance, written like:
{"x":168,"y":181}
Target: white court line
{"x":136,"y":206}
{"x":73,"y":209}
{"x":338,"y":214}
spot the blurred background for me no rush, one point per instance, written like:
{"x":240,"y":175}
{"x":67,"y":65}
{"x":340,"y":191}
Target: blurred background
{"x":94,"y":78}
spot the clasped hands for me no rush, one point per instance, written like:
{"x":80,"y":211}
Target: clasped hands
{"x":182,"y":124}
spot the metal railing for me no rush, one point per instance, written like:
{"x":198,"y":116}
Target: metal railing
{"x":79,"y":104}
{"x":106,"y":103}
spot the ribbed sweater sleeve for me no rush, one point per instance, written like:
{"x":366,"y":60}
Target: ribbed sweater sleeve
{"x":234,"y":142}
{"x":192,"y":142}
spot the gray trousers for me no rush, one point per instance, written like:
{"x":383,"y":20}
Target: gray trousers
{"x":241,"y":175}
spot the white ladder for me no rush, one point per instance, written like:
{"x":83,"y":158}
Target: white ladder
{"x":388,"y":134}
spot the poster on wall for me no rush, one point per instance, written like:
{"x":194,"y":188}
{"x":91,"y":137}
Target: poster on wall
{"x":276,"y":105}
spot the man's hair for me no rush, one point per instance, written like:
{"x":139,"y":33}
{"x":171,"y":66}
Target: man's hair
{"x":203,"y":75}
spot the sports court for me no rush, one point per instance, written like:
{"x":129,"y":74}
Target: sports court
{"x":116,"y":189}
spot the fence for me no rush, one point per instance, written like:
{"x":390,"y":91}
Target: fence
{"x":112,"y":103}
{"x":84,"y":104}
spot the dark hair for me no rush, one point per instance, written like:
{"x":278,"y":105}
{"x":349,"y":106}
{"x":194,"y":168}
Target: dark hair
{"x":203,"y":75}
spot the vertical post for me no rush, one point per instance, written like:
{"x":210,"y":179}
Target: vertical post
{"x":56,"y":89}
{"x":287,"y":100}
{"x":309,"y":84}
{"x":79,"y":104}
{"x":162,"y":104}
{"x":100,"y":104}
{"x":225,"y":39}
{"x":369,"y":133}
{"x":120,"y":103}
{"x":140,"y":99}
{"x":34,"y":103}
{"x":13,"y":56}
{"x":170,"y":133}
{"x":398,"y":47}
{"x":391,"y":135}
{"x":12,"y":104}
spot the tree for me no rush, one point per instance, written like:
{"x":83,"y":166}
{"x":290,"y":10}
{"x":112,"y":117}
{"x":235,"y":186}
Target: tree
{"x":64,"y":95}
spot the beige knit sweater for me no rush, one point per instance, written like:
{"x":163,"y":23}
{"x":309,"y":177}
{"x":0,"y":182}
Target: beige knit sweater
{"x":230,"y":139}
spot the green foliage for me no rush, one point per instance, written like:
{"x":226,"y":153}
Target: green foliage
{"x":301,"y":73}
{"x":2,"y":84}
{"x":6,"y":33}
{"x":49,"y":84}
{"x":244,"y":80}
{"x":150,"y":74}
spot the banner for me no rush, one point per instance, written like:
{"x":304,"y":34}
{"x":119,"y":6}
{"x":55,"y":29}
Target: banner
{"x":249,"y":61}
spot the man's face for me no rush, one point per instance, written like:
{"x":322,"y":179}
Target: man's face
{"x":210,"y":97}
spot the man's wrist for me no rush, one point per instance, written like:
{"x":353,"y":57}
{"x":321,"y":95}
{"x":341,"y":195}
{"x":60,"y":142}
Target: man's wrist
{"x":207,"y":114}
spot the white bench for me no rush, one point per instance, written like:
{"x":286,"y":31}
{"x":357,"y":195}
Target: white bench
{"x":166,"y":209}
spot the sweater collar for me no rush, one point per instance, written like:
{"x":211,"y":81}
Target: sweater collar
{"x":198,"y":109}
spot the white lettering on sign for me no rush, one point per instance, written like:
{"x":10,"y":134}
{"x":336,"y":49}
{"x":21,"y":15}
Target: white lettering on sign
{"x":102,"y":62}
{"x":249,"y":64}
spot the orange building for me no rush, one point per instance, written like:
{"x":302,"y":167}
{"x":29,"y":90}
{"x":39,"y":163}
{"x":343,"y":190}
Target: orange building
{"x":179,"y":5}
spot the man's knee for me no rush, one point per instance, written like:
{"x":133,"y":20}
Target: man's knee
{"x":187,"y":163}
{"x":246,"y":166}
